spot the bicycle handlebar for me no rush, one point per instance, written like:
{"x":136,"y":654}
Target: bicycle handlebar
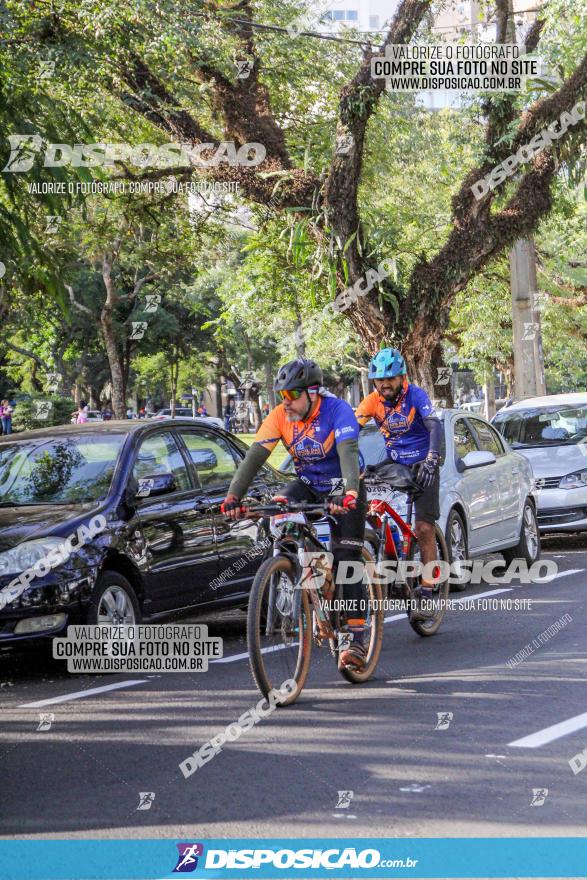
{"x":292,"y":507}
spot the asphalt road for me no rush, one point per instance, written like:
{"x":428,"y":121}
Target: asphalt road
{"x":82,"y":777}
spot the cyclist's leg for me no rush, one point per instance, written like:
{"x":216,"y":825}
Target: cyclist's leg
{"x":427,"y":512}
{"x":348,"y":535}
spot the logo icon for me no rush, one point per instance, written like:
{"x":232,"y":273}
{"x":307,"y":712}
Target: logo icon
{"x":23,"y":149}
{"x":152,"y":302}
{"x":539,"y":795}
{"x":344,"y":640}
{"x":45,"y":720}
{"x":187,"y":860}
{"x":53,"y":221}
{"x":443,"y":375}
{"x":530,"y":331}
{"x":344,"y":144}
{"x":46,"y":69}
{"x":42,"y":409}
{"x":316,"y":565}
{"x":138,"y":329}
{"x":444,"y":719}
{"x":244,"y":66}
{"x":344,"y":800}
{"x":146,"y":799}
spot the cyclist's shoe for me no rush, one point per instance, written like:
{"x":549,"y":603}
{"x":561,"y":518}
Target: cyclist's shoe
{"x":353,"y":657}
{"x":424,"y":610}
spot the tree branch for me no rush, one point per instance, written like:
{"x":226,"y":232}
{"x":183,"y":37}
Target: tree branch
{"x":78,"y":305}
{"x":29,"y":354}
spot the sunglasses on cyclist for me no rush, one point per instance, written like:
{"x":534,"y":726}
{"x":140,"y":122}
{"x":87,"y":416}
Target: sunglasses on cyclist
{"x":294,"y":394}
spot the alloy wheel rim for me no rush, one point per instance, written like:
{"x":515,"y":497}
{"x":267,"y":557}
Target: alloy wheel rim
{"x":116,"y":608}
{"x":530,"y":532}
{"x":457,"y":543}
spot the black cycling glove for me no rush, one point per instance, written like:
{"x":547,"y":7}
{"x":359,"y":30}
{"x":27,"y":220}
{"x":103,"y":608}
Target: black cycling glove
{"x":426,"y":471}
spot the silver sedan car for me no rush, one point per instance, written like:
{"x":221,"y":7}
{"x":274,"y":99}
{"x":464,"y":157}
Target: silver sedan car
{"x":551,"y":433}
{"x":487,"y":500}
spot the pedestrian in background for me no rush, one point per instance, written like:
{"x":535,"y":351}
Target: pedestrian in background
{"x":6,"y":411}
{"x":82,"y":413}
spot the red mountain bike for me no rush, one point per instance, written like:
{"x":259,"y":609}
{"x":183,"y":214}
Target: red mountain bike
{"x":398,"y":541}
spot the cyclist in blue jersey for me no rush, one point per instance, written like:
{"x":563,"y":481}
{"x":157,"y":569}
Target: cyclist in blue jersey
{"x":412,"y":432}
{"x":320,"y":431}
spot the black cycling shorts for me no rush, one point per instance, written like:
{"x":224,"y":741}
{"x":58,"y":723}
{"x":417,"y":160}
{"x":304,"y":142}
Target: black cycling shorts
{"x":428,"y":503}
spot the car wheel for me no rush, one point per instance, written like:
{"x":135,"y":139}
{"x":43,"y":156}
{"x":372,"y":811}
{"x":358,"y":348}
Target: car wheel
{"x":528,"y":547}
{"x":114,"y":602}
{"x":456,"y":541}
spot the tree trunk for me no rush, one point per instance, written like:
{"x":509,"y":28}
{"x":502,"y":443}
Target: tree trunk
{"x":218,"y":395}
{"x":269,"y":383}
{"x":173,"y":375}
{"x":424,"y":356}
{"x":116,"y":373}
{"x":107,"y":325}
{"x":364,"y":380}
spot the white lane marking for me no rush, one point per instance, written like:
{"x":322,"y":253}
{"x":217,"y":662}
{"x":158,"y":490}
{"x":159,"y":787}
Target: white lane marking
{"x":549,"y":734}
{"x":79,"y":695}
{"x":245,"y":656}
{"x":570,"y":571}
{"x":483,"y":595}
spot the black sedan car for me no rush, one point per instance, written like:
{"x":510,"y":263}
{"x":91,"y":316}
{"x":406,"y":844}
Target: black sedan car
{"x":119,"y":521}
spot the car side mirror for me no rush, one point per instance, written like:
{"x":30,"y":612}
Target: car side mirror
{"x":476,"y":458}
{"x":158,"y":484}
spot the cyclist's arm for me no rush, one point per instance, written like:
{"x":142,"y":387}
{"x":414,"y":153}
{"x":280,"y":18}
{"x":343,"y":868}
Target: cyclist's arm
{"x":348,"y":454}
{"x":431,"y":421}
{"x":366,"y":410}
{"x":434,"y":426}
{"x":266,"y":439}
{"x":256,"y":456}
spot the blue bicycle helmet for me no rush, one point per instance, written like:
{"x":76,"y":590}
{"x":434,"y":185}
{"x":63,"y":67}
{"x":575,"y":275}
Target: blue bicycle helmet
{"x":387,"y":363}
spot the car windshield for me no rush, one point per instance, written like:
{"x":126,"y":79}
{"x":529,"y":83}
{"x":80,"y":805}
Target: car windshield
{"x":543,"y":426}
{"x":72,"y":469}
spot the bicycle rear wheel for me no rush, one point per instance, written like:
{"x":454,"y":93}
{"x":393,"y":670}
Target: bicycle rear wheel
{"x":284,"y":652}
{"x":373,"y":637}
{"x":441,"y":593}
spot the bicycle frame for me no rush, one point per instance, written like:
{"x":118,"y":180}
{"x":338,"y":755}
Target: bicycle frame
{"x":382,"y":512}
{"x":300,"y":536}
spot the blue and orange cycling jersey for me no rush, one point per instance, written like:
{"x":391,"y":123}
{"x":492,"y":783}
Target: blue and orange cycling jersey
{"x":407,"y":439}
{"x":312,"y":444}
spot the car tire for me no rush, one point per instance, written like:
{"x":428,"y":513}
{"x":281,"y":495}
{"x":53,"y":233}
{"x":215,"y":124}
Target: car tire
{"x":113,"y":596}
{"x":528,"y":547}
{"x":456,"y":542}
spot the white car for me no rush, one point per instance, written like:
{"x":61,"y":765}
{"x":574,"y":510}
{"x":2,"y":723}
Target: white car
{"x":184,"y":412}
{"x":487,"y":501}
{"x":551,"y":432}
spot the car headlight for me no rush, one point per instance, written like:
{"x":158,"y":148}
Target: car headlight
{"x":27,"y":554}
{"x":578,"y":480}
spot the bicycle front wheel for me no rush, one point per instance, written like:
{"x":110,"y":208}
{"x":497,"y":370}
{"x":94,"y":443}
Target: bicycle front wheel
{"x":441,"y":591}
{"x":279,"y":646}
{"x":373,"y":639}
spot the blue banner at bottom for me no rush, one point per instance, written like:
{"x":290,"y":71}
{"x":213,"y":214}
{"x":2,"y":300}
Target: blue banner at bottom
{"x":289,"y":857}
